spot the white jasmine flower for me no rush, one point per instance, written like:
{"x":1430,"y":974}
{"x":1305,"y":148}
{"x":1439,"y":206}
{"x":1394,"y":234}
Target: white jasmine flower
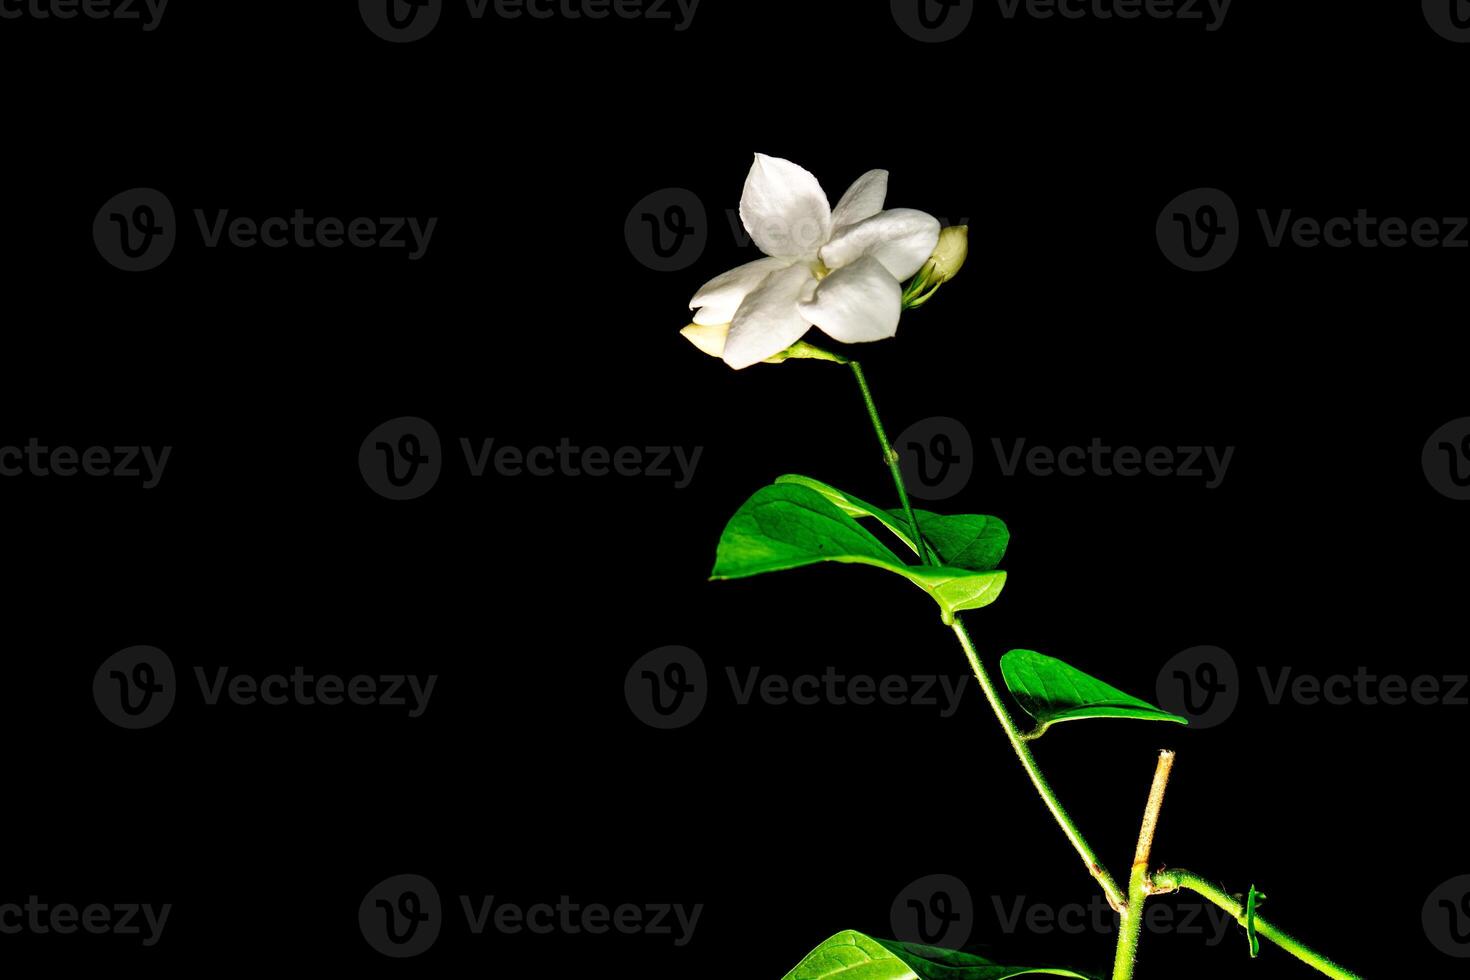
{"x":838,"y":269}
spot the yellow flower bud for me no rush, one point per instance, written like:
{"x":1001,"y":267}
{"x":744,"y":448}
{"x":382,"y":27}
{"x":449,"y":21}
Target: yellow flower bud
{"x":710,"y":339}
{"x":950,"y":254}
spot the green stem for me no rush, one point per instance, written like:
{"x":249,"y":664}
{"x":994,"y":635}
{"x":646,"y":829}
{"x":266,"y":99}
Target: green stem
{"x":1140,"y":883}
{"x":1172,"y":879}
{"x":1017,"y":739}
{"x":1131,"y":925}
{"x":1023,"y":752}
{"x":891,"y":458}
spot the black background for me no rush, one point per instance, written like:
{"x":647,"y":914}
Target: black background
{"x":530,"y":319}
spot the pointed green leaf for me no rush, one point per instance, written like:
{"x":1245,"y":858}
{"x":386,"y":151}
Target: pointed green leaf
{"x":1051,"y":690}
{"x":790,"y":525}
{"x":973,"y":541}
{"x":853,"y":956}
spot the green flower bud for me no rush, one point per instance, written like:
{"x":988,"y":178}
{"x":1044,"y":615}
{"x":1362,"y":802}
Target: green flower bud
{"x":948,"y":258}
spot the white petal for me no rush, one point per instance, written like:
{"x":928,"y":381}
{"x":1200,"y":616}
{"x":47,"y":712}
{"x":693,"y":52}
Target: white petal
{"x":785,"y":209}
{"x":857,"y":303}
{"x":769,"y":321}
{"x":863,"y":199}
{"x":902,"y":239}
{"x":718,"y":299}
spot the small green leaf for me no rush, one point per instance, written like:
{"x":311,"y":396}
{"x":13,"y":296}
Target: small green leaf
{"x":789,"y":525}
{"x":1051,"y":690}
{"x":1252,"y":900}
{"x":973,"y":541}
{"x":853,"y":956}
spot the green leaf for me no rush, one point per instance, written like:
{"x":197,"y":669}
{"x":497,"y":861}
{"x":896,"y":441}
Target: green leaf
{"x":973,"y":541}
{"x":852,"y":506}
{"x":1051,"y":690}
{"x":853,"y":956}
{"x":789,"y":525}
{"x":1253,"y":899}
